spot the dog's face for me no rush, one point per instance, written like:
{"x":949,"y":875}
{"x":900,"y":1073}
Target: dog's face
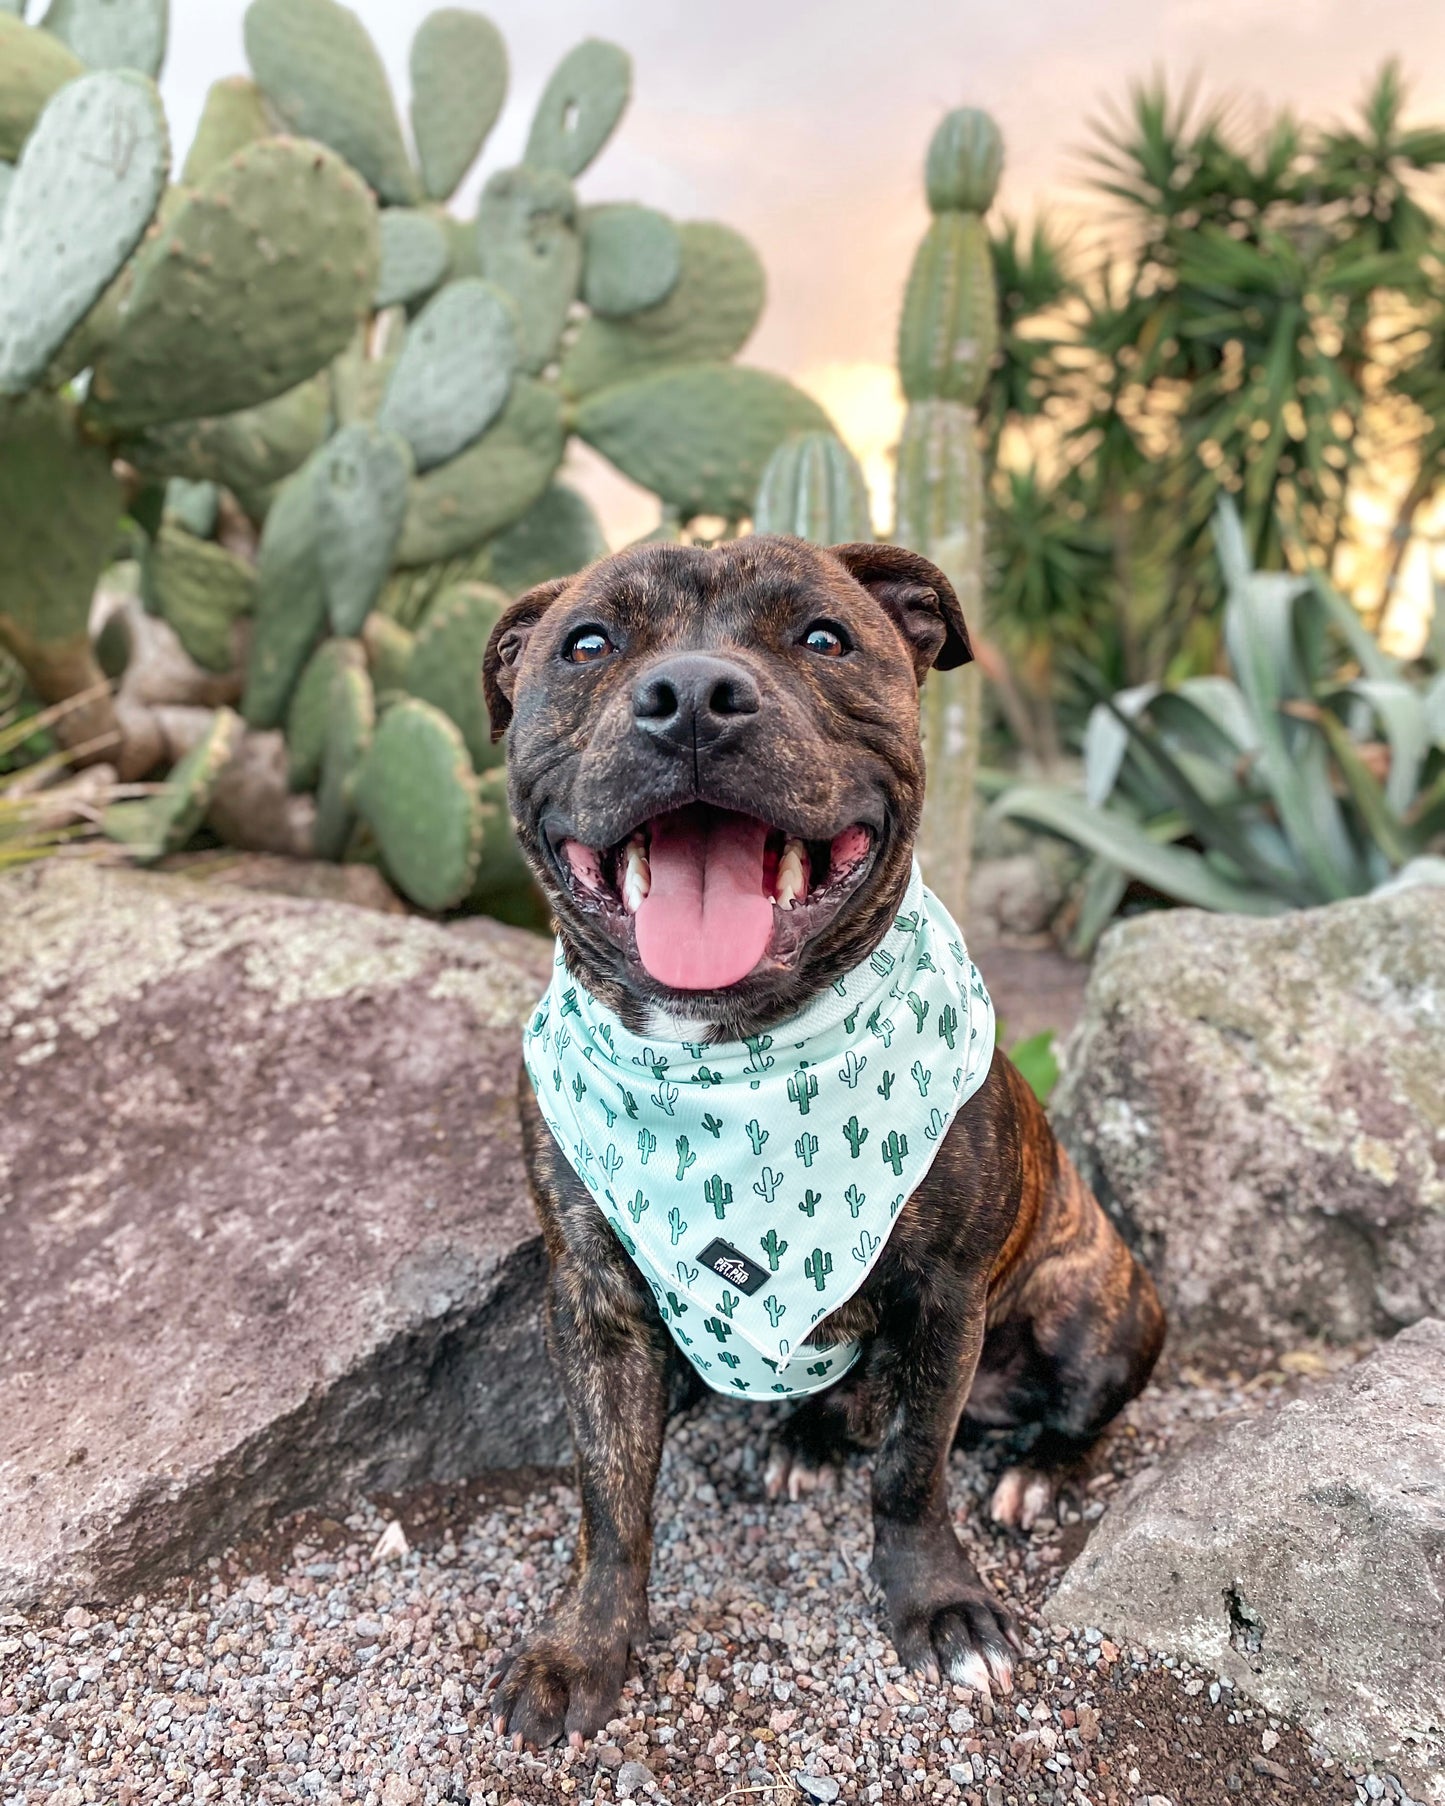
{"x":715,"y":765}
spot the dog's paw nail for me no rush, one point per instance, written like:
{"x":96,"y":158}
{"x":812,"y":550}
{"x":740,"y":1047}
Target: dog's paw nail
{"x":1001,"y":1670}
{"x":575,"y":1740}
{"x":969,"y":1670}
{"x":1038,"y":1501}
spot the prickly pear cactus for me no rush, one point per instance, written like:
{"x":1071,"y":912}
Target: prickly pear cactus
{"x":86,"y":187}
{"x":559,"y":534}
{"x":201,"y":590}
{"x":162,"y":824}
{"x":454,"y":372}
{"x":108,"y":35}
{"x":33,"y":65}
{"x":528,"y":244}
{"x":580,"y":107}
{"x":445,"y":668}
{"x":698,"y":436}
{"x":417,"y":792}
{"x":359,"y":489}
{"x":349,"y":729}
{"x":947,"y":338}
{"x":322,"y":73}
{"x":416,"y":256}
{"x":458,"y":84}
{"x":814,"y":487}
{"x":309,"y":717}
{"x":631,"y":258}
{"x":234,"y":115}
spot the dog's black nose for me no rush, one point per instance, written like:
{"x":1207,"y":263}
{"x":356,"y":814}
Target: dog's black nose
{"x":695,"y":699}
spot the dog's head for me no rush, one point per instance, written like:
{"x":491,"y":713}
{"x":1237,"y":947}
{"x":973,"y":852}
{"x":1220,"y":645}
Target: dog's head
{"x":715,"y":765}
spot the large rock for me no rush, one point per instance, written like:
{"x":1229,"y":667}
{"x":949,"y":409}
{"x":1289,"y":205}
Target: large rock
{"x":1261,"y":1106}
{"x":263,"y":1220}
{"x":1301,"y":1554}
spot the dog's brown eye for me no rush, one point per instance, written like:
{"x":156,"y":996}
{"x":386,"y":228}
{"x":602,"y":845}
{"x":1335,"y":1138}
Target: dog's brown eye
{"x":587,"y":645}
{"x":823,"y":637}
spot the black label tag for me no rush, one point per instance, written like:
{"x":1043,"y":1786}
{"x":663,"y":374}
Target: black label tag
{"x":735,"y":1267}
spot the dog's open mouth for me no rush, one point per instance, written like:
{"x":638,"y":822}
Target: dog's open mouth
{"x":711,"y":892}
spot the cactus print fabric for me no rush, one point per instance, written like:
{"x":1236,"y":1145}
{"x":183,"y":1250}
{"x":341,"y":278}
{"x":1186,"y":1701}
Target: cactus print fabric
{"x":754,"y":1183}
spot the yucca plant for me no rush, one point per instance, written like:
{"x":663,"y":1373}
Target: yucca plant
{"x":1313,"y":769}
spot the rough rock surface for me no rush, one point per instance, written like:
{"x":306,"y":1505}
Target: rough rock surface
{"x":1302,"y":1556}
{"x":1261,"y":1105}
{"x":263,"y":1221}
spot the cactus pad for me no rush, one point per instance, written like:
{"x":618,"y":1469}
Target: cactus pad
{"x":321,"y":72}
{"x":528,"y":245}
{"x":948,"y":332}
{"x":193,"y":506}
{"x":234,"y":115}
{"x":415,"y":256}
{"x":814,"y":487}
{"x":350,"y":725}
{"x":586,"y":96}
{"x":631,"y":258}
{"x":699,"y":436}
{"x":708,"y":316}
{"x":559,"y":534}
{"x":60,"y":504}
{"x":446,"y":663}
{"x":86,"y":187}
{"x":504,"y":887}
{"x":163,"y":823}
{"x":458,"y":84}
{"x":201,"y":590}
{"x":258,"y":280}
{"x":33,"y":64}
{"x":290,"y":612}
{"x":492,"y":483}
{"x":454,"y":372}
{"x":359,"y":491}
{"x":105,"y":35}
{"x":418,"y":794}
{"x":965,"y":160}
{"x":309,"y":717}
{"x":409,"y":593}
{"x":246,"y":451}
{"x":389,"y":647}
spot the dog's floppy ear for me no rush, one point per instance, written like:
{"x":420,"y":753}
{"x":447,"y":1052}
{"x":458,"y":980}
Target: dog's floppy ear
{"x":918,"y":598}
{"x":506,"y":646}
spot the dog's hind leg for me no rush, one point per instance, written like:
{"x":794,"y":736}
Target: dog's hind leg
{"x":1079,"y":1339}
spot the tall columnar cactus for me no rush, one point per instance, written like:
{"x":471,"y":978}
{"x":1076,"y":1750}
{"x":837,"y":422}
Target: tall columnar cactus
{"x":946,"y":343}
{"x":361,"y":380}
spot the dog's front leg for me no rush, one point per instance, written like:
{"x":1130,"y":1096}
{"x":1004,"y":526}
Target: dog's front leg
{"x":943,"y":1618}
{"x":610,"y":1354}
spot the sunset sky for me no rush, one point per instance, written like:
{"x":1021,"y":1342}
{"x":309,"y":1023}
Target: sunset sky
{"x":804,"y":123}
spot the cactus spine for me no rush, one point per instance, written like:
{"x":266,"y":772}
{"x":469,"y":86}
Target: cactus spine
{"x":946,"y":343}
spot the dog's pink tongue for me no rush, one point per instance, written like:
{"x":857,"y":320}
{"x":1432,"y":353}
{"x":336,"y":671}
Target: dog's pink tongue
{"x":706,"y":921}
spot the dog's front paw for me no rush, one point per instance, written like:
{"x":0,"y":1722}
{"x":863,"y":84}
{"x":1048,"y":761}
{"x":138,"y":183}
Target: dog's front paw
{"x":945,"y":1621}
{"x":557,"y":1683}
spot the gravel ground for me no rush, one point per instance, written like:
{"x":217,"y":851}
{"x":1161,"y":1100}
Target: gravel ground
{"x":347,"y":1659}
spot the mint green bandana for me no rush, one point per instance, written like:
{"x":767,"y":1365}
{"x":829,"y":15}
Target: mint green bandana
{"x":754,"y":1183}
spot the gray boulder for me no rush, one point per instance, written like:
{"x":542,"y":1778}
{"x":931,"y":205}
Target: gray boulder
{"x":1302,"y":1555}
{"x":263,"y":1221}
{"x":1260,"y":1104}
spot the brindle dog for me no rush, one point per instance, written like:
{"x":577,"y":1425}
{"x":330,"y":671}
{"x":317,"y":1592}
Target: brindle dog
{"x":780,"y":682}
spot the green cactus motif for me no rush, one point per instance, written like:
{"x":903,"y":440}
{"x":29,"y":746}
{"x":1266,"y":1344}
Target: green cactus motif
{"x":685,"y":1158}
{"x":921,"y":1077}
{"x":817,"y":1266}
{"x":811,"y":1200}
{"x":806,"y":1147}
{"x":817,"y":1368}
{"x":629,"y":1104}
{"x":579,"y":1088}
{"x":802,"y":1089}
{"x":713,"y":1125}
{"x":719,"y":1194}
{"x":773,"y":1248}
{"x":707,"y":1077}
{"x":894,"y":1150}
{"x":935,"y":1124}
{"x":948,"y":1024}
{"x":881,"y":1026}
{"x":855,"y":1135}
{"x":646,"y":1145}
{"x":666,"y":1096}
{"x":866,"y":1246}
{"x":716,"y":1326}
{"x":767,"y":1185}
{"x":882,"y":961}
{"x":757,"y":1135}
{"x":919,"y":1006}
{"x":855,"y":1200}
{"x":733,"y":1360}
{"x":775,"y":1308}
{"x":885,"y":1086}
{"x":677,"y":1228}
{"x":636,"y":1204}
{"x":611,"y":1161}
{"x":728,"y":1303}
{"x":852,"y":1069}
{"x":678,"y":1305}
{"x":759,"y":1059}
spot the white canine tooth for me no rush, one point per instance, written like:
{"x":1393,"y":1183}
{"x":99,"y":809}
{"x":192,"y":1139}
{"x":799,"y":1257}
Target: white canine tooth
{"x":636,"y":876}
{"x":791,"y":883}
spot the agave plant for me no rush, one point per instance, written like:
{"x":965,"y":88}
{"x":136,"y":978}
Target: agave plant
{"x":1312,"y":770}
